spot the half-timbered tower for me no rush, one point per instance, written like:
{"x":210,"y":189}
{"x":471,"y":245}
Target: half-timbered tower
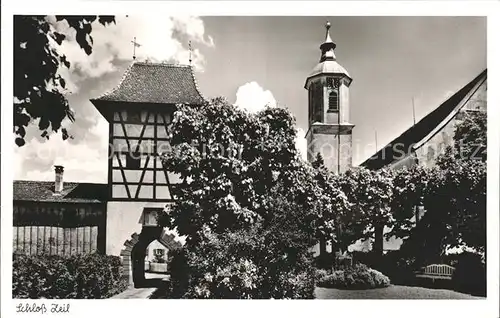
{"x":139,"y":111}
{"x":329,"y":132}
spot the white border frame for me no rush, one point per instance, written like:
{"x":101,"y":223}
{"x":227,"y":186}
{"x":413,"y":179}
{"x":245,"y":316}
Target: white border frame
{"x":397,"y":308}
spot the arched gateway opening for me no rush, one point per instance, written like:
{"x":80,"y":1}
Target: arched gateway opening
{"x":134,"y":254}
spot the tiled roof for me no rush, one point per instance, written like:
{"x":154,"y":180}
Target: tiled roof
{"x":156,"y":83}
{"x":43,"y":191}
{"x":421,"y":129}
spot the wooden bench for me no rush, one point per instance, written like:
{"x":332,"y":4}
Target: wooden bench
{"x":436,"y":271}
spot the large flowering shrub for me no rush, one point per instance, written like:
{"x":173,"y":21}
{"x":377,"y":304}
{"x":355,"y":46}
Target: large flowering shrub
{"x":249,"y":207}
{"x":265,"y":261}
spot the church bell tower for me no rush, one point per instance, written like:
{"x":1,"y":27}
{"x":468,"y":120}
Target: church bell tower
{"x":329,"y":130}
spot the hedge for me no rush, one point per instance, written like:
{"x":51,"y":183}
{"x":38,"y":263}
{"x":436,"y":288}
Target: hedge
{"x":90,"y":276}
{"x":358,"y":276}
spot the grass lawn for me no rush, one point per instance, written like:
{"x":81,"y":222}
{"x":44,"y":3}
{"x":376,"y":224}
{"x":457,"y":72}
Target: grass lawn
{"x":391,"y":292}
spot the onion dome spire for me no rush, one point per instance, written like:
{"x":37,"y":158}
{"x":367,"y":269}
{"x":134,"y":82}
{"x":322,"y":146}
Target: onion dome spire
{"x":327,"y":46}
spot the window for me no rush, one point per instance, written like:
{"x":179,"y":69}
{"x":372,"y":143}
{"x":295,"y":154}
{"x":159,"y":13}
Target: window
{"x":150,"y":216}
{"x":133,"y":161}
{"x":333,"y":102}
{"x":159,"y":255}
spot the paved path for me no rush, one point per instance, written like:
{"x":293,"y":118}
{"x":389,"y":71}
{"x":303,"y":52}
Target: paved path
{"x":141,"y":293}
{"x":135,"y":293}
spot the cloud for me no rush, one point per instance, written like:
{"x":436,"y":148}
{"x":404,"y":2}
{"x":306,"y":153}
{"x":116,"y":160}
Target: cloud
{"x":162,"y":39}
{"x":301,"y":143}
{"x":83,"y":162}
{"x":158,"y":37}
{"x":253,"y":98}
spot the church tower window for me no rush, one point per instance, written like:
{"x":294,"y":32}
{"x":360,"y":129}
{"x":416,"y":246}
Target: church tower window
{"x":333,"y":101}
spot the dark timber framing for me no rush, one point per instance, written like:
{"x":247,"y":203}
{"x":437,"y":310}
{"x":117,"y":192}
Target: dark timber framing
{"x":153,"y":119}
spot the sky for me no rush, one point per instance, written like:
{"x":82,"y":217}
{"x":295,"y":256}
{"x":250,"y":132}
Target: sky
{"x":254,"y":61}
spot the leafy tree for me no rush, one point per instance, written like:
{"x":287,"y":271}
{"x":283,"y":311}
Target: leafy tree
{"x":455,"y":213}
{"x":470,"y":136}
{"x":456,"y":198}
{"x":409,"y":189}
{"x":371,"y":194}
{"x":336,"y":218}
{"x":247,"y":204}
{"x":357,"y":204}
{"x":459,"y":187}
{"x":232,"y":159}
{"x":39,"y":90}
{"x":453,"y":195}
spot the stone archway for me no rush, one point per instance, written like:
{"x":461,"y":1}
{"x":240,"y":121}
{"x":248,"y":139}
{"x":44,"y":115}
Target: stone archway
{"x":134,"y":252}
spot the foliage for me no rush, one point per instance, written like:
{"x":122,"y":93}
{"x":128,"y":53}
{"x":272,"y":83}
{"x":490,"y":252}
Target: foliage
{"x":248,"y":204}
{"x":358,"y":276}
{"x":357,"y":203}
{"x":321,"y":274}
{"x":231,"y":162}
{"x":371,"y":195}
{"x":55,"y":277}
{"x":409,"y":188}
{"x":336,"y":219}
{"x":39,"y":89}
{"x":470,"y":139}
{"x":457,"y":193}
{"x":453,"y":195}
{"x":398,"y":265}
{"x":457,"y":198}
{"x":260,"y":262}
{"x":232,"y":159}
{"x":454,"y":199}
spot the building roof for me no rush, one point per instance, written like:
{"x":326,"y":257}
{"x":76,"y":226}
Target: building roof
{"x":155,"y":83}
{"x":328,"y":66}
{"x":43,"y":191}
{"x":423,"y":128}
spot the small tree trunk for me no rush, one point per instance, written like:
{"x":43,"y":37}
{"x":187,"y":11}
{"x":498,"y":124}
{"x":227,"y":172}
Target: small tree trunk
{"x":378,"y":246}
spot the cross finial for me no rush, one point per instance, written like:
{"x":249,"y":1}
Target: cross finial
{"x":135,"y":44}
{"x":189,"y":52}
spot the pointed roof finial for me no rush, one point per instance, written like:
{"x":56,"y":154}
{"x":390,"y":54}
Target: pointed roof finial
{"x":190,"y":52}
{"x":328,"y":39}
{"x":327,"y":46}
